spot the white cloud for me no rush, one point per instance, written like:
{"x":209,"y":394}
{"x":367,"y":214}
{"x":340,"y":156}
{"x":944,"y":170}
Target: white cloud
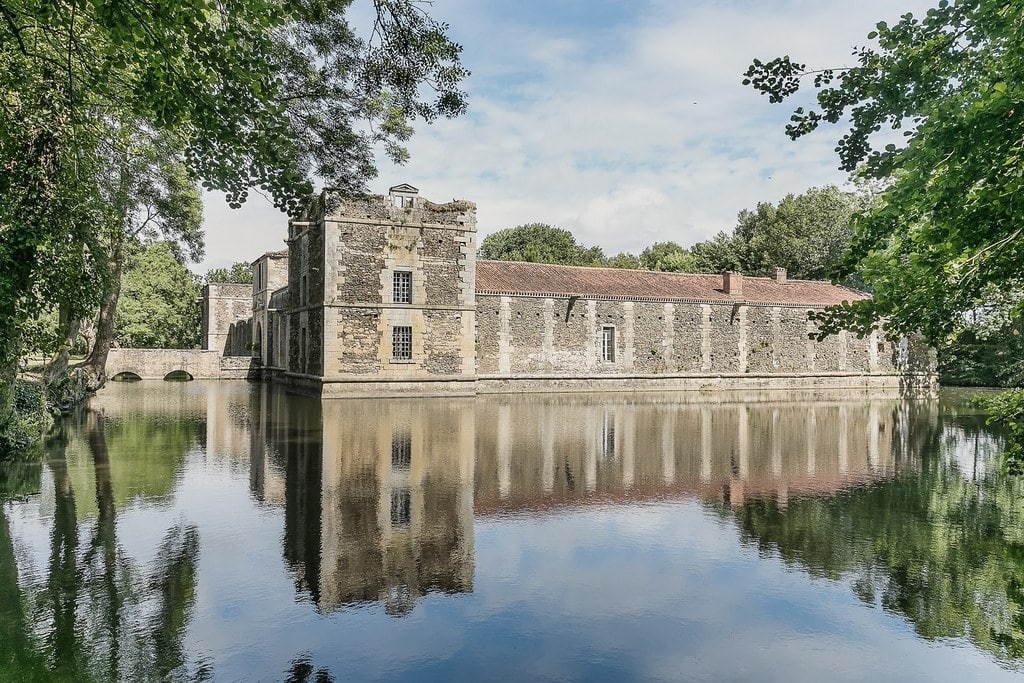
{"x":624,"y":134}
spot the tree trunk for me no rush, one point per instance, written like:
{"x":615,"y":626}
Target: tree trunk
{"x":58,"y":365}
{"x":96,"y":363}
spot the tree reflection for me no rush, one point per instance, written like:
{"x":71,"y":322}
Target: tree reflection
{"x":938,"y":546}
{"x":20,"y":660}
{"x":96,"y":614}
{"x":302,"y":671}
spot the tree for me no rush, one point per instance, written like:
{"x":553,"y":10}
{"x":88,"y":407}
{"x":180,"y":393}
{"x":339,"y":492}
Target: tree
{"x":948,"y":224}
{"x":623,"y":260}
{"x":538,"y":243}
{"x":255,"y":93}
{"x":669,"y":257}
{"x":806,"y":234}
{"x":147,"y":193}
{"x":240,"y":272}
{"x":159,"y":306}
{"x":987,"y":348}
{"x":721,"y":253}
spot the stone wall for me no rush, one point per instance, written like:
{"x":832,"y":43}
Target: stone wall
{"x":341,"y":315}
{"x":364,"y":242}
{"x":533,"y":337}
{"x":158,"y":363}
{"x":224,"y":305}
{"x":269,"y":285}
{"x":488,"y":330}
{"x":239,"y":339}
{"x":305,"y":298}
{"x":274,"y":346}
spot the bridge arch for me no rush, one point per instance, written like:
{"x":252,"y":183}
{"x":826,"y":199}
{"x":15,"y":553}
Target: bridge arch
{"x":178,"y":376}
{"x":126,"y":376}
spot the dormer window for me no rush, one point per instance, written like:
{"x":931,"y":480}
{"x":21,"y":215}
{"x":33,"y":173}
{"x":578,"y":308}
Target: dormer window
{"x":403,"y":196}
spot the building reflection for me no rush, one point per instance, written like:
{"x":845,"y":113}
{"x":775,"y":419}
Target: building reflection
{"x":544,"y":452}
{"x":378,"y":497}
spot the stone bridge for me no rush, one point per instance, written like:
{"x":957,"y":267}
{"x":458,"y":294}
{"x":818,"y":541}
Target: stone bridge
{"x":195,"y":363}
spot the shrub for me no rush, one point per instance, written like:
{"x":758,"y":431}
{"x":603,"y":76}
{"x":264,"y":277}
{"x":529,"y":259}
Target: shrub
{"x":1007,"y":409}
{"x":28,"y":422}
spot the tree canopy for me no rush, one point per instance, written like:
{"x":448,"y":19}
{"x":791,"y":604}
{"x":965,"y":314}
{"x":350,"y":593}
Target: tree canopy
{"x":240,"y":272}
{"x":806,"y":234}
{"x":987,"y":349}
{"x":538,"y":243}
{"x":250,"y":94}
{"x":948,"y":224}
{"x":159,"y":303}
{"x":623,"y":260}
{"x":669,"y":257}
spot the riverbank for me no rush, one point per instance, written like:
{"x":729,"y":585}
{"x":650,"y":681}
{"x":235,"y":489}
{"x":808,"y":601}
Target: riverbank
{"x":29,"y":421}
{"x":35,"y":405}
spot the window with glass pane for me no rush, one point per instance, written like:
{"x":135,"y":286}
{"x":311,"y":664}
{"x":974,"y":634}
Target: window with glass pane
{"x":401,"y":343}
{"x":403,"y":287}
{"x":608,"y":344}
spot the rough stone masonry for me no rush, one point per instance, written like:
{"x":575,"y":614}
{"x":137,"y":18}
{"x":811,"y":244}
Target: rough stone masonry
{"x":384,"y":296}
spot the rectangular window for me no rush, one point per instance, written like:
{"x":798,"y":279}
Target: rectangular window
{"x":401,"y":450}
{"x":402,"y":292}
{"x":303,"y":292}
{"x":401,"y":343}
{"x":608,"y":344}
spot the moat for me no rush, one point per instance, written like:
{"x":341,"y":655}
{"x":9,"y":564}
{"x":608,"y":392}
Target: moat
{"x":230,"y":531}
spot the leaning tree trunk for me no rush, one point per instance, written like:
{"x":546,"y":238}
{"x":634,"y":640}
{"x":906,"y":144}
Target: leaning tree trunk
{"x":96,"y":363}
{"x":69,"y":326}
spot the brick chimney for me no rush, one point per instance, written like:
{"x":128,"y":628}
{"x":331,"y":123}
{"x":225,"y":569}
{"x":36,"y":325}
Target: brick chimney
{"x":780,"y":275}
{"x":732,"y":283}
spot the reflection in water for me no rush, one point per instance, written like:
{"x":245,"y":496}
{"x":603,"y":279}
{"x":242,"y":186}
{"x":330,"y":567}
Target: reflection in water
{"x":945,"y":547}
{"x":369,"y":506}
{"x":94,"y":614}
{"x":378,"y":497}
{"x":555,"y":451}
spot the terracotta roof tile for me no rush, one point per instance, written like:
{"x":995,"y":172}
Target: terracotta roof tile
{"x":511,"y":277}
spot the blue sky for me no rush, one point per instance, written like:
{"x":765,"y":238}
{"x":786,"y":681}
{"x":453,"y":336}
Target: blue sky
{"x":625,"y":123}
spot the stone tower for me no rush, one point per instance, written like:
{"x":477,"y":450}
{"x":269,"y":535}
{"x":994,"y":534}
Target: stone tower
{"x":382,"y":295}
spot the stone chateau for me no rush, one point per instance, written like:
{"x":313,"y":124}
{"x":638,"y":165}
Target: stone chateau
{"x":384,"y":295}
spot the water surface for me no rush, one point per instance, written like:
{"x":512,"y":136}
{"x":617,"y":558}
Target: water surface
{"x":228,"y":531}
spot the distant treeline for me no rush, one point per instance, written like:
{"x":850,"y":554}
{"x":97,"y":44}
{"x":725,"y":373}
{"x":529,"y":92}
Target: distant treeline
{"x":805,"y":234}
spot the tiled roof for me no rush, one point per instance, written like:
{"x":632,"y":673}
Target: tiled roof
{"x":510,"y":277}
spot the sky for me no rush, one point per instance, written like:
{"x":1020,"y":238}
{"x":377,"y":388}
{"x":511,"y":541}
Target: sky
{"x":625,"y":123}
